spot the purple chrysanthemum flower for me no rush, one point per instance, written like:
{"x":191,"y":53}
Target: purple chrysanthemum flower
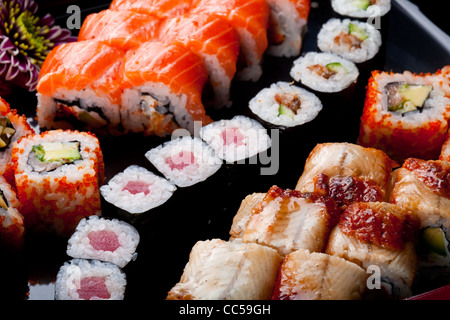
{"x":25,"y":41}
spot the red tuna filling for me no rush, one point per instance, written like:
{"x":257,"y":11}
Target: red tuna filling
{"x":104,"y":240}
{"x":232,"y":136}
{"x":135,"y":187}
{"x":181,"y":160}
{"x":93,"y":287}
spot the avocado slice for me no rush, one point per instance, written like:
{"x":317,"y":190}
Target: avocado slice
{"x":283,"y":110}
{"x":6,"y":132}
{"x":357,"y":31}
{"x":434,"y":239}
{"x":336,"y":67}
{"x":404,"y":107}
{"x":3,"y":201}
{"x":64,"y":152}
{"x":361,"y":4}
{"x":417,"y":94}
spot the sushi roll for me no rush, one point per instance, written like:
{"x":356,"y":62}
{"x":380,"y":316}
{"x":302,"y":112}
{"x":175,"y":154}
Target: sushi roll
{"x":163,"y":86}
{"x":250,"y":18}
{"x":219,"y":51}
{"x":361,"y":8}
{"x":12,"y":127}
{"x":287,"y":220}
{"x":81,"y":279}
{"x":287,"y":26}
{"x":122,"y":29}
{"x":57,"y":177}
{"x":308,"y":275}
{"x":405,"y":114}
{"x":159,"y":8}
{"x":285,"y":105}
{"x":236,"y":139}
{"x":348,"y":173}
{"x":383,"y":235}
{"x":79,"y":88}
{"x":12,"y":228}
{"x":324,"y":72}
{"x":103,"y":239}
{"x":422,"y":187}
{"x":221,"y":270}
{"x":137,"y":190}
{"x":185,"y":161}
{"x":350,"y":39}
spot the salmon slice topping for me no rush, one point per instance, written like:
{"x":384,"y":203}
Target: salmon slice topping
{"x":104,"y":240}
{"x":93,"y":287}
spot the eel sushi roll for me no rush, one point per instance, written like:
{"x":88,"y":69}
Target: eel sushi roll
{"x":324,"y":72}
{"x":422,"y":187}
{"x":348,"y":173}
{"x":185,"y":161}
{"x":379,"y":235}
{"x":221,"y":270}
{"x":405,"y":114}
{"x":361,"y":8}
{"x":236,"y":139}
{"x":287,"y":26}
{"x":122,"y":29}
{"x":250,"y":19}
{"x":109,"y":240}
{"x":136,"y":190}
{"x":12,"y":228}
{"x":81,"y":279}
{"x":57,"y":177}
{"x":308,"y":275}
{"x":287,"y":220}
{"x":350,"y":39}
{"x":12,"y":127}
{"x":163,"y":86}
{"x":79,"y":88}
{"x":285,"y":105}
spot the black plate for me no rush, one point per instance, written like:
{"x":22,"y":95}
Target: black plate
{"x":205,"y":211}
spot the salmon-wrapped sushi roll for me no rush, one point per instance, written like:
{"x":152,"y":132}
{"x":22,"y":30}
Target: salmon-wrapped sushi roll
{"x":159,"y":8}
{"x":379,"y":234}
{"x":123,"y":29}
{"x":250,"y":18}
{"x":406,"y":114}
{"x":287,"y":220}
{"x":287,"y":25}
{"x":347,"y":172}
{"x":166,"y":81}
{"x":215,"y":41}
{"x":11,"y":221}
{"x":12,"y":127}
{"x":79,"y":88}
{"x":220,"y":270}
{"x":57,"y":176}
{"x":318,"y":276}
{"x":423,"y":187}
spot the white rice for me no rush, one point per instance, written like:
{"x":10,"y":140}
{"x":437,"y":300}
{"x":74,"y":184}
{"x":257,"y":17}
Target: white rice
{"x":160,"y":190}
{"x":255,"y":138}
{"x":79,"y":244}
{"x":348,"y":8}
{"x":71,"y":273}
{"x":266,"y":107}
{"x":331,"y":29}
{"x":206,"y":163}
{"x":311,"y":79}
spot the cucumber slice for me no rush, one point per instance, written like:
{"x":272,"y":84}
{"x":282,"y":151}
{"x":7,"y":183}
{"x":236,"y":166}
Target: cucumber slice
{"x":435,"y":240}
{"x":336,"y":67}
{"x":361,"y":4}
{"x":283,"y":110}
{"x":357,"y":31}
